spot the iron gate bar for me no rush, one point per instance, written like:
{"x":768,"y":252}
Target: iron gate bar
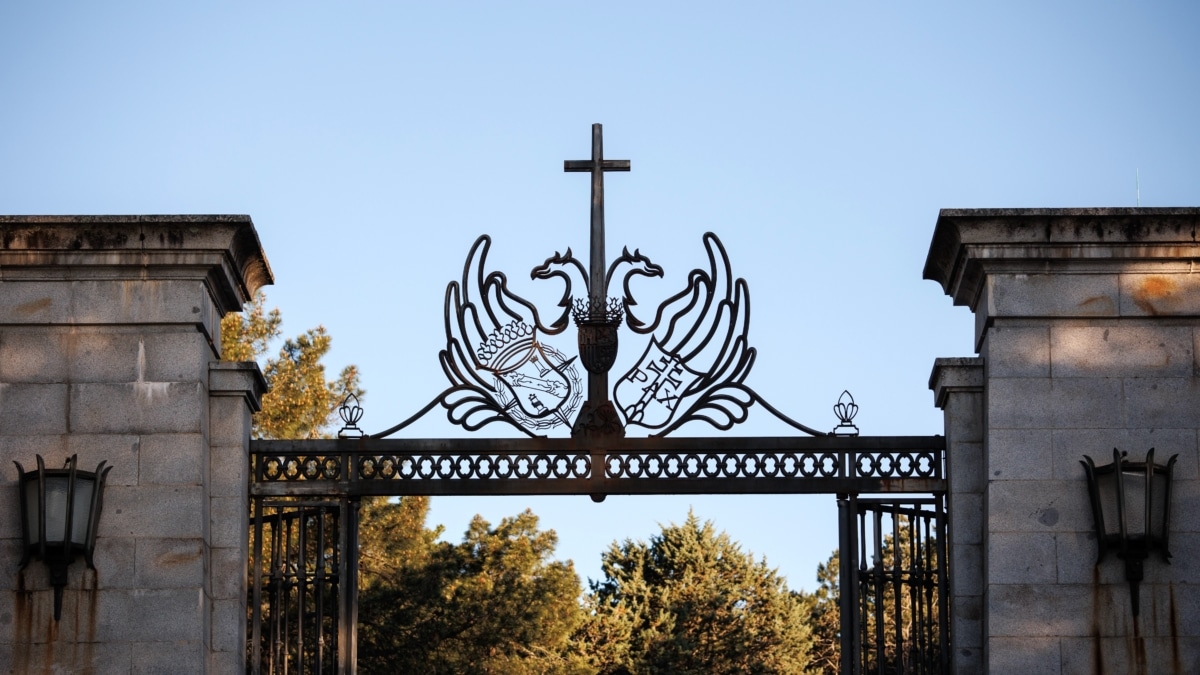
{"x":564,"y":466}
{"x":864,"y":588}
{"x":301,"y":535}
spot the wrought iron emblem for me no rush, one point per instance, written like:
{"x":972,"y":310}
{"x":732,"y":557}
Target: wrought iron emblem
{"x":693,"y":367}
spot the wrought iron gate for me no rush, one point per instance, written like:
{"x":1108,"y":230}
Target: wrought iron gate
{"x":894,"y":591}
{"x":304,"y":586}
{"x":502,"y":368}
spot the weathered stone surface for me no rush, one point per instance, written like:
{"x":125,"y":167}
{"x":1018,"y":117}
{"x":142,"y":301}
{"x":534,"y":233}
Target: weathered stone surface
{"x":155,"y":511}
{"x":228,"y":525}
{"x":1017,"y":350}
{"x":1160,"y":402}
{"x":33,"y":409}
{"x":1024,"y":655}
{"x":1118,"y":349}
{"x":1022,"y":558}
{"x":966,"y":518}
{"x":1038,"y":506}
{"x":1130,"y":654}
{"x":169,"y":563}
{"x":107,"y":332}
{"x":32,"y":356}
{"x":119,"y":451}
{"x":229,"y":631}
{"x":169,"y":658}
{"x":966,"y":561}
{"x":1088,"y":324}
{"x":115,"y":559}
{"x":1039,"y":610}
{"x":228,"y":471}
{"x":1053,"y":295}
{"x":227,"y":585}
{"x":172,"y":459}
{"x":230,"y":420}
{"x":1020,"y":454}
{"x":1167,"y":293}
{"x":140,"y":407}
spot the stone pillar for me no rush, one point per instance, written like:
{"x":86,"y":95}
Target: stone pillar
{"x":958,"y":390}
{"x":109,"y":348}
{"x":1088,"y":325}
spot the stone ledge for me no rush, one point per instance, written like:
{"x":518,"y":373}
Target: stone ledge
{"x":955,"y":374}
{"x":237,"y":378}
{"x":969,"y":243}
{"x":237,"y":271}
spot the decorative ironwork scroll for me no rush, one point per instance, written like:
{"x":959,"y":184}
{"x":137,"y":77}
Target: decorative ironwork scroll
{"x":503,"y":366}
{"x":693,"y":368}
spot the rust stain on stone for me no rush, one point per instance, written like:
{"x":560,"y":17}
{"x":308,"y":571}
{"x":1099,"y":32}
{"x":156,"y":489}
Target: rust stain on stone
{"x":1151,"y":290}
{"x":1137,"y":648}
{"x":89,"y":630}
{"x":177,"y":557}
{"x":24,"y":626}
{"x":1097,"y":304}
{"x":32,"y":307}
{"x":1097,"y":648}
{"x":1176,"y":659}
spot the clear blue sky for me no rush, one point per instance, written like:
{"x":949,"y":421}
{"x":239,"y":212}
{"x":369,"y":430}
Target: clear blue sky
{"x":373,"y":142}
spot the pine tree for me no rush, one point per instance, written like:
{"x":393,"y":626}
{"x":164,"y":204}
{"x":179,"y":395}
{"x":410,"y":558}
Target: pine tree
{"x":495,"y":603}
{"x":691,"y":601}
{"x":300,"y":402}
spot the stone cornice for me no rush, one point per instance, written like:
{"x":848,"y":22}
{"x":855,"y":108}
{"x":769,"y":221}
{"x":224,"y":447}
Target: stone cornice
{"x":955,"y":374}
{"x":223,"y":249}
{"x":969,"y":243}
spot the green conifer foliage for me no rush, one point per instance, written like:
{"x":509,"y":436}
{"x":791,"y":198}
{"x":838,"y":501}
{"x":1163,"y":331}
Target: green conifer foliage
{"x":691,"y":601}
{"x":300,"y":403}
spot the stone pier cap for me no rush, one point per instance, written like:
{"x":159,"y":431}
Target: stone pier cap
{"x":224,"y":249}
{"x":969,"y":244}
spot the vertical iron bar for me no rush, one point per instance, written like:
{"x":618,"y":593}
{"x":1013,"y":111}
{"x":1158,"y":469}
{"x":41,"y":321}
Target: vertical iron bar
{"x":288,"y":590}
{"x":256,"y":597}
{"x":276,"y":604}
{"x":880,"y":590}
{"x":348,"y":578}
{"x":847,"y":583}
{"x":920,"y":597}
{"x":898,"y":565}
{"x":319,"y":596}
{"x":864,"y":594}
{"x":301,"y":584}
{"x":943,"y":584}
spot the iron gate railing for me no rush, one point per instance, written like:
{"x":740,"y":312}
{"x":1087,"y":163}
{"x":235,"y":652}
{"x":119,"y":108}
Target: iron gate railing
{"x":501,"y":368}
{"x":894,"y":586}
{"x":302,"y":586}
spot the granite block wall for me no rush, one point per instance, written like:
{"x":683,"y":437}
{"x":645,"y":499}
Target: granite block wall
{"x":1087,"y":328}
{"x":109,"y":336}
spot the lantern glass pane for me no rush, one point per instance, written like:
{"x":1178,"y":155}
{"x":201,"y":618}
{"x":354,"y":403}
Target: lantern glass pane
{"x":83,"y":507}
{"x":56,"y":508}
{"x":1107,"y":487}
{"x":31,"y":511}
{"x":1159,"y":505}
{"x":1135,"y":503}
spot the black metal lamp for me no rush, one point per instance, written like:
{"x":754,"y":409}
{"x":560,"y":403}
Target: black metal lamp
{"x":1131,"y":506}
{"x":59,"y":512}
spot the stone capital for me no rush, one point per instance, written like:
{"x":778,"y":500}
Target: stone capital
{"x":222,"y":251}
{"x":969,"y":245}
{"x":952,"y":375}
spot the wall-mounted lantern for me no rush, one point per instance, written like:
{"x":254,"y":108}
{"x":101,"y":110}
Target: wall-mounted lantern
{"x":1131,"y":507}
{"x":59,"y":512}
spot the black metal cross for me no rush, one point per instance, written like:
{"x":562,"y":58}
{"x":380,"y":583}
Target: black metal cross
{"x":597,"y":165}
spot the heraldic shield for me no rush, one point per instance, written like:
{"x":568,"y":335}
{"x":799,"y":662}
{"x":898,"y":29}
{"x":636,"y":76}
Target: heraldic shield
{"x":535,"y":383}
{"x":649,"y":394}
